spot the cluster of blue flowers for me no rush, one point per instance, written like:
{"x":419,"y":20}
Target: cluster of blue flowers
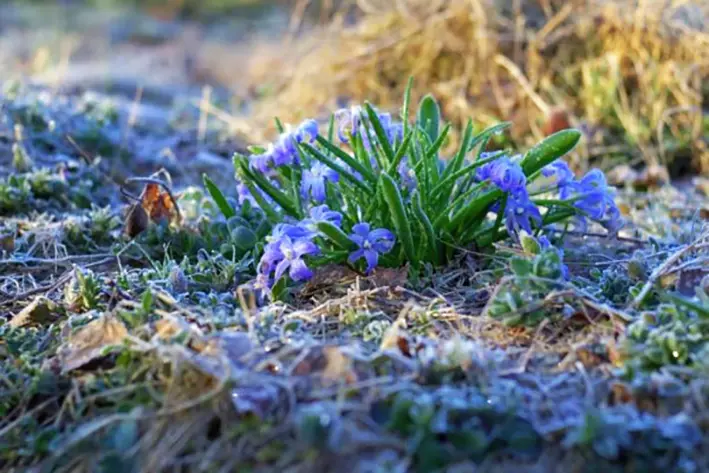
{"x":590,"y":194}
{"x":519,"y":210}
{"x":290,"y":243}
{"x":293,"y":246}
{"x":351,"y":122}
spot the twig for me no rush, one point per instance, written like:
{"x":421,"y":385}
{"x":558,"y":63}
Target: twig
{"x":64,"y":278}
{"x":664,"y":267}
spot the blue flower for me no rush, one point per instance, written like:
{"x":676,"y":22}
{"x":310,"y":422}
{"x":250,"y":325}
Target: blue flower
{"x":561,"y":174}
{"x":520,"y":212}
{"x":314,"y":180}
{"x":592,"y":196}
{"x":261,"y":162}
{"x":244,"y":194}
{"x":322,"y":213}
{"x":307,"y":131}
{"x":286,"y":254}
{"x":370,"y":244}
{"x":285,"y":150}
{"x":293,"y":231}
{"x":406,"y":174}
{"x":506,"y":174}
{"x":348,"y":122}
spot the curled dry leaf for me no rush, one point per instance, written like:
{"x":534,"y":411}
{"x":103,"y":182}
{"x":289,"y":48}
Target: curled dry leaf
{"x":89,"y":343}
{"x":155,"y":205}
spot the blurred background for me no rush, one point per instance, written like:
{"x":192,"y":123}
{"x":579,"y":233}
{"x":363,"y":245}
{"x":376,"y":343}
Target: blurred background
{"x":632,"y":75}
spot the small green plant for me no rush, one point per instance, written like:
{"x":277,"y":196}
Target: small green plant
{"x":374,"y":191}
{"x":519,"y":299}
{"x":83,"y":292}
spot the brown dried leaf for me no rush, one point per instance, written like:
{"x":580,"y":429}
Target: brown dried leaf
{"x":339,"y":367}
{"x":136,"y":221}
{"x":7,"y":242}
{"x":41,"y":311}
{"x":89,"y":343}
{"x":157,"y":203}
{"x":328,"y":276}
{"x":391,"y":277}
{"x":620,"y":394}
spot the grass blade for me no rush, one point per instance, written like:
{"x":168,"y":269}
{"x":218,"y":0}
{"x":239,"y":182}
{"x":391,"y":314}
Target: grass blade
{"x":335,"y":234}
{"x":278,"y":197}
{"x":218,"y":197}
{"x":379,"y":130}
{"x":392,"y":196}
{"x":315,"y":153}
{"x":427,"y":226}
{"x":349,"y":160}
{"x":429,"y":116}
{"x":406,"y":105}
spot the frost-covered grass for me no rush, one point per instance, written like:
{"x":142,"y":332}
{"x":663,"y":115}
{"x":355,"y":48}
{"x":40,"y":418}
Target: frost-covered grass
{"x":496,"y":344}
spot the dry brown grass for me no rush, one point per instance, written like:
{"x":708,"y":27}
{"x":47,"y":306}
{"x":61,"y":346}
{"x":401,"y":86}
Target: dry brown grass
{"x":628,"y":72}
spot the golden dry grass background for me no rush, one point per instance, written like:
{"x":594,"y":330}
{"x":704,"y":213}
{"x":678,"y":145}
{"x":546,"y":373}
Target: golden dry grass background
{"x":631,"y":74}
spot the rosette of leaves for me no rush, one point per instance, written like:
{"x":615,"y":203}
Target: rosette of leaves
{"x":518,"y":300}
{"x":233,"y":238}
{"x":670,"y":335}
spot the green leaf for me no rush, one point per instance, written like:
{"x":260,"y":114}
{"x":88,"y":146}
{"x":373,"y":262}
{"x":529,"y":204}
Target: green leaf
{"x":450,"y":180}
{"x":336,"y":235}
{"x":465,"y":216}
{"x":315,"y":153}
{"x":457,"y":161}
{"x":218,"y":197}
{"x":392,"y":196}
{"x":279,"y":125}
{"x":520,"y":266}
{"x":406,"y":105}
{"x":349,"y":160}
{"x":549,"y":150}
{"x":278,"y":196}
{"x":400,"y":153}
{"x":382,"y":137}
{"x":530,"y":245}
{"x":429,"y":117}
{"x":433,"y":250}
{"x":240,"y":164}
{"x":331,"y":129}
{"x":146,"y":302}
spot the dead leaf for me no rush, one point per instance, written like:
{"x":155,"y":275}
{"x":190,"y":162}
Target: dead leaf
{"x":41,"y":311}
{"x":158,"y":204}
{"x":620,"y":394}
{"x":391,"y":277}
{"x":339,"y":367}
{"x":592,"y":355}
{"x":88,"y":344}
{"x":136,"y":221}
{"x":328,"y":276}
{"x":7,"y":242}
{"x":155,"y":205}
